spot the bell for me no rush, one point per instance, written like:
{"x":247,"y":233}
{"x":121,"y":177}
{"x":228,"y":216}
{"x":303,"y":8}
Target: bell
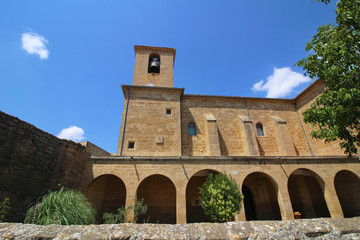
{"x":154,"y":65}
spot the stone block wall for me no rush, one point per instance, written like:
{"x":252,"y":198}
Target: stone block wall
{"x":33,"y":161}
{"x":149,"y":126}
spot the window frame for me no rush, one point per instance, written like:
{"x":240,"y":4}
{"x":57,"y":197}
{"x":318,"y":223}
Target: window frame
{"x":192,"y":126}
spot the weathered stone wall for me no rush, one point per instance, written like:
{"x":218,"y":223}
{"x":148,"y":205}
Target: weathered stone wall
{"x":286,"y":138}
{"x":297,"y":229}
{"x":33,"y":161}
{"x":148,"y":126}
{"x":303,"y":101}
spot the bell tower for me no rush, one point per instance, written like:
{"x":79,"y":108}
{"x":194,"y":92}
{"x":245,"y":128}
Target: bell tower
{"x":154,"y":66}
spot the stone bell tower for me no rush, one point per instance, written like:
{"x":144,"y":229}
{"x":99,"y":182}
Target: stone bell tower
{"x":154,"y":66}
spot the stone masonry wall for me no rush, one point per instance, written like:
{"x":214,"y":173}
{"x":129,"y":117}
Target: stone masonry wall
{"x":297,"y":229}
{"x":33,"y":161}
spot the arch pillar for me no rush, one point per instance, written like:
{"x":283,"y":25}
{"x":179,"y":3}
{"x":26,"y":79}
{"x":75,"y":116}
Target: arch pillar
{"x":130,"y":200}
{"x":284,"y":201}
{"x":332,"y":200}
{"x":181,"y":203}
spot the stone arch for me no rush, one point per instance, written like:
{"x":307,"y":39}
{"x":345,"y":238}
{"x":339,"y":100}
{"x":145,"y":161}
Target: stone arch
{"x":194,"y":211}
{"x":159,"y":195}
{"x":107,"y":193}
{"x":306,"y":190}
{"x":347,"y":186}
{"x":260,"y":197}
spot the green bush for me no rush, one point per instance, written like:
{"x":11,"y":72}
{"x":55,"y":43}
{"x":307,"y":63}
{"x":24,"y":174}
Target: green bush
{"x":121,"y":215}
{"x":220,"y":198}
{"x":4,"y":209}
{"x":63,"y":207}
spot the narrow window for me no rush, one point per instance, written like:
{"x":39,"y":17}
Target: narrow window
{"x":168,"y":111}
{"x":260,"y":130}
{"x":131,"y":144}
{"x":192,"y":129}
{"x":154,"y":63}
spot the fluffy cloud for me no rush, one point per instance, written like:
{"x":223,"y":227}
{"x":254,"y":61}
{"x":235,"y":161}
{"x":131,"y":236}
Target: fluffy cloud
{"x":35,"y":44}
{"x":72,"y":133}
{"x":281,"y":83}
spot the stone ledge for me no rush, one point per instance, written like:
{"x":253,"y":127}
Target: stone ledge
{"x":323,"y":228}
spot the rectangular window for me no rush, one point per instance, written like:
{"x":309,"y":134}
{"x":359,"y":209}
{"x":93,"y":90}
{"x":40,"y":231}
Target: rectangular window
{"x":131,"y":145}
{"x":168,"y":111}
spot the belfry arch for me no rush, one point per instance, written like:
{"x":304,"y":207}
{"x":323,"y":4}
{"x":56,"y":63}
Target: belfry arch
{"x":106,"y":193}
{"x":194,"y":211}
{"x":347,"y":186}
{"x":159,"y":195}
{"x":306,"y":190}
{"x":260,"y":197}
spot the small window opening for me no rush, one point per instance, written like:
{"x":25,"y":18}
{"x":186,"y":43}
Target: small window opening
{"x":154,"y":63}
{"x":192,"y":129}
{"x":260,"y":130}
{"x":168,"y":111}
{"x":131,"y":144}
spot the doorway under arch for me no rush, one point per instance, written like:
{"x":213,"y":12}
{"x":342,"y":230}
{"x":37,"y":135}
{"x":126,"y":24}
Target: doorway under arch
{"x":347,"y":185}
{"x":106,"y":193}
{"x":306,"y":190}
{"x":159,"y":195}
{"x":260,"y":197}
{"x":194,"y":211}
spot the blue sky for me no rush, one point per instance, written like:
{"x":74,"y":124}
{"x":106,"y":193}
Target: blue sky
{"x":62,"y":62}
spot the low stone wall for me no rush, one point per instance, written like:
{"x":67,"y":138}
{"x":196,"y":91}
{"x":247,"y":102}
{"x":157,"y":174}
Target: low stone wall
{"x":323,"y":228}
{"x":33,"y":161}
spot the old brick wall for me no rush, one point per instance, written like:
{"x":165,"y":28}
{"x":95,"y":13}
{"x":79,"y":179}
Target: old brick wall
{"x":33,"y":161}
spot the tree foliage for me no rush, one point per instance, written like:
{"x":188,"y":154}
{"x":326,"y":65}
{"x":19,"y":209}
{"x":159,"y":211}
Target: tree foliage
{"x":335,"y":59}
{"x":122,"y":213}
{"x":220,"y":198}
{"x":4,"y":209}
{"x":63,"y":207}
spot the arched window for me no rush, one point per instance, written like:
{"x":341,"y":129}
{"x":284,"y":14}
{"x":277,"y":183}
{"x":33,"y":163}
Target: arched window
{"x":154,"y":63}
{"x":192,"y":129}
{"x":259,"y":129}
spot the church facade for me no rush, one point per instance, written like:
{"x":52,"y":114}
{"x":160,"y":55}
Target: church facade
{"x":170,"y":141}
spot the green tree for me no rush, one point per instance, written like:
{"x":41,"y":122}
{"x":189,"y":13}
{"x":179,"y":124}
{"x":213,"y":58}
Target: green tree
{"x":63,"y":207}
{"x":220,"y":198}
{"x":335,"y":59}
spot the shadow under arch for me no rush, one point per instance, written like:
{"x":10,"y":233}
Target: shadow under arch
{"x":347,"y":186}
{"x":159,"y":195}
{"x":306,"y":190}
{"x":194,"y":211}
{"x":260,"y":197}
{"x":106,"y":193}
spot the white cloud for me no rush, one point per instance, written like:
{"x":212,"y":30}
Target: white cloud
{"x":34,"y":43}
{"x":281,"y":83}
{"x":72,"y":133}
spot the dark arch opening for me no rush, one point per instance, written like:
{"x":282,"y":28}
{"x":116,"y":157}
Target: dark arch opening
{"x":347,"y":185}
{"x":264,"y":204}
{"x":154,"y":63}
{"x":159,"y":194}
{"x":249,"y":204}
{"x":194,"y":211}
{"x":306,"y":194}
{"x":106,"y":193}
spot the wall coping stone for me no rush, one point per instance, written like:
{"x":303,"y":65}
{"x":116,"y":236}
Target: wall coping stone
{"x":321,"y":228}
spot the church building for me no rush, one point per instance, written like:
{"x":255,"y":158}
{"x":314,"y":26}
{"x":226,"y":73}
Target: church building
{"x":170,"y":141}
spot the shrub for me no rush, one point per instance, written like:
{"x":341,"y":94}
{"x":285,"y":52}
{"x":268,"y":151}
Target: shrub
{"x":121,"y":215}
{"x":4,"y":209}
{"x":220,"y":198}
{"x":63,"y":207}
